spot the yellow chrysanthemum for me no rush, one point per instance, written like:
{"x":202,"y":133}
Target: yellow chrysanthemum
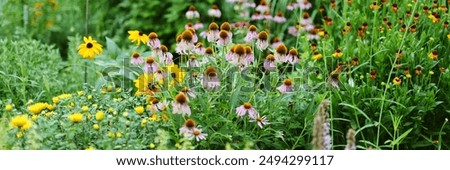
{"x":76,"y":117}
{"x":176,"y":74}
{"x":89,"y":48}
{"x":8,"y":107}
{"x":139,"y":110}
{"x":21,"y":121}
{"x":37,"y":107}
{"x":138,"y":37}
{"x":99,"y":116}
{"x":145,"y":84}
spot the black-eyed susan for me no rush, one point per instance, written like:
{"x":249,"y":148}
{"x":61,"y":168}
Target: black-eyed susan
{"x":407,"y":73}
{"x":374,"y":6}
{"x":176,"y":75}
{"x":317,"y":56}
{"x":137,"y":37}
{"x":21,"y":122}
{"x":338,"y":53}
{"x":433,"y":55}
{"x":397,"y":81}
{"x":90,"y":48}
{"x":76,"y":117}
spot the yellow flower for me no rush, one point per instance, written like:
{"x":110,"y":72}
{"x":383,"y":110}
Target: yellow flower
{"x":151,"y":146}
{"x":337,"y":54}
{"x":408,"y":75}
{"x":138,"y":37}
{"x":89,"y":48}
{"x":177,"y":145}
{"x":55,"y":100}
{"x":111,"y":135}
{"x":8,"y":107}
{"x":90,"y":148}
{"x":19,"y":134}
{"x":397,"y":81}
{"x":64,"y":96}
{"x":176,"y":74}
{"x":89,"y":97}
{"x":34,"y":117}
{"x":433,"y":55}
{"x":154,"y":117}
{"x":49,"y":114}
{"x":143,"y":122}
{"x":21,"y":121}
{"x":80,"y":93}
{"x":448,"y":36}
{"x":50,"y":107}
{"x":110,"y":109}
{"x":72,"y":104}
{"x":143,"y":82}
{"x":99,"y":116}
{"x":164,"y":117}
{"x":76,"y":117}
{"x":37,"y":107}
{"x":96,"y":126}
{"x":84,"y":108}
{"x":317,"y":56}
{"x":431,"y":72}
{"x":118,"y":135}
{"x":139,"y":110}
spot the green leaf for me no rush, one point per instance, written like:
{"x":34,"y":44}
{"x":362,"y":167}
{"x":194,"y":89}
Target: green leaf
{"x":399,"y":139}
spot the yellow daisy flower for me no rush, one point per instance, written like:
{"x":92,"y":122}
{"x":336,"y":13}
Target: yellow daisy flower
{"x":317,"y":56}
{"x":21,"y":121}
{"x":138,"y":37}
{"x":89,"y":48}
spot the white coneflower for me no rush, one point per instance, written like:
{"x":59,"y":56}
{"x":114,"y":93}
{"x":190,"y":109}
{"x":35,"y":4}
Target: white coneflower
{"x":197,"y":134}
{"x":214,"y":12}
{"x":261,"y":121}
{"x":188,"y":126}
{"x":213,"y":32}
{"x":306,"y":20}
{"x":293,"y":30}
{"x":250,"y":4}
{"x":164,"y":55}
{"x":230,"y":54}
{"x":321,"y":129}
{"x":251,"y":34}
{"x":350,"y":140}
{"x":263,"y":40}
{"x":192,"y":13}
{"x":279,"y":18}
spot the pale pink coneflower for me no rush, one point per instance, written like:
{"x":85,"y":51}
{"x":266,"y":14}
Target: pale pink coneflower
{"x":136,"y":59}
{"x":198,"y":25}
{"x":180,"y":105}
{"x":189,"y":25}
{"x":224,"y":38}
{"x":312,"y":35}
{"x":250,"y":4}
{"x":192,"y":13}
{"x":211,"y":79}
{"x":197,"y":134}
{"x":214,"y":12}
{"x":193,"y":62}
{"x":267,"y":16}
{"x":269,"y":63}
{"x":249,"y":56}
{"x":246,"y":107}
{"x":309,"y":27}
{"x":281,"y":53}
{"x":304,"y":4}
{"x":204,"y":34}
{"x":150,"y":65}
{"x":257,"y":16}
{"x":276,"y":42}
{"x":188,"y":92}
{"x":160,"y":75}
{"x":230,"y":54}
{"x":261,"y":121}
{"x":185,"y":44}
{"x":225,"y":26}
{"x":199,"y":49}
{"x":292,"y":30}
{"x":153,"y":41}
{"x":164,"y":55}
{"x":262,"y":7}
{"x":158,"y":106}
{"x":213,"y":32}
{"x":263,"y":40}
{"x":244,"y":14}
{"x":279,"y":18}
{"x":286,"y":87}
{"x":188,"y":127}
{"x":292,"y":56}
{"x":251,"y":34}
{"x":292,"y":6}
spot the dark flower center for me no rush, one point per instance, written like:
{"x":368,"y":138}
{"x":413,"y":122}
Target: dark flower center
{"x":89,"y":45}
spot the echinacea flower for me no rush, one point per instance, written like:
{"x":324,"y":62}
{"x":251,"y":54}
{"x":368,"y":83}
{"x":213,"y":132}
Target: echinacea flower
{"x":257,"y":16}
{"x":279,"y":18}
{"x":213,"y":32}
{"x":397,"y":81}
{"x":269,"y":63}
{"x":136,"y":59}
{"x":292,"y":6}
{"x":214,"y":12}
{"x":21,"y":122}
{"x":246,"y":107}
{"x":286,"y":87}
{"x":164,"y":55}
{"x":186,"y":43}
{"x":150,"y":65}
{"x":280,"y":53}
{"x":188,"y":92}
{"x":227,"y":27}
{"x":210,"y":79}
{"x":263,"y":40}
{"x":138,"y":37}
{"x":263,"y":6}
{"x":180,"y":104}
{"x":90,"y":48}
{"x":224,"y":38}
{"x":188,"y":127}
{"x":192,"y":13}
{"x":304,"y":4}
{"x":292,"y":56}
{"x":261,"y":121}
{"x":76,"y":117}
{"x":197,"y":134}
{"x":251,"y":34}
{"x":199,"y":48}
{"x":153,"y":41}
{"x":193,"y":62}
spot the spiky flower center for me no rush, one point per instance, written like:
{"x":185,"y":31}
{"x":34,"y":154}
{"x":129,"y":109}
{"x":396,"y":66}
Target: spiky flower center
{"x":263,"y":35}
{"x":211,"y":72}
{"x":247,"y":105}
{"x":189,"y":123}
{"x":135,"y":55}
{"x":288,"y":82}
{"x":89,"y":45}
{"x":153,"y":35}
{"x":239,"y":49}
{"x":181,"y":98}
{"x":281,"y":49}
{"x":150,"y":60}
